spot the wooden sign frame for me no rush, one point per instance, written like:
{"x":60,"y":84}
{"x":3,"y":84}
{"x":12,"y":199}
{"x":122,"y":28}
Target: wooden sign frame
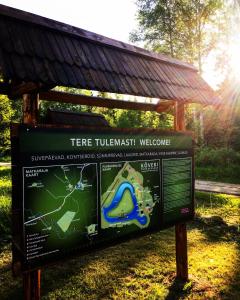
{"x":32,"y":279}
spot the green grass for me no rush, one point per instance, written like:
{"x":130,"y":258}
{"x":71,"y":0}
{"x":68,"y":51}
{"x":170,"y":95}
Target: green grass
{"x":222,"y":174}
{"x":145,"y":268}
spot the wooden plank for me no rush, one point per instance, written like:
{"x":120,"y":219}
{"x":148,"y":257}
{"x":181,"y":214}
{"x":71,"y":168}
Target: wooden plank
{"x":102,"y":102}
{"x":217,"y":187}
{"x":180,"y":229}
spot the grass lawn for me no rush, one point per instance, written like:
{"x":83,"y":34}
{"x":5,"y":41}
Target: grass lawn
{"x":143,"y":268}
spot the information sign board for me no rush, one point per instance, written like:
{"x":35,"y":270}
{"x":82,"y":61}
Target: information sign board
{"x":76,"y":189}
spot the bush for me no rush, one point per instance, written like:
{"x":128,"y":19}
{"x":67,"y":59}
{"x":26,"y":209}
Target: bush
{"x":221,"y":157}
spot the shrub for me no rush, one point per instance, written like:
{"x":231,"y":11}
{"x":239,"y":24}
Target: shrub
{"x":221,"y":157}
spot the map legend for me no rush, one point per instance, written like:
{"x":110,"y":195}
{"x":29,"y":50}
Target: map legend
{"x":177,"y":186}
{"x":54,"y":215}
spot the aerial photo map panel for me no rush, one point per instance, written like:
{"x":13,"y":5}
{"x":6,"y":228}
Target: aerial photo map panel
{"x":84,"y":188}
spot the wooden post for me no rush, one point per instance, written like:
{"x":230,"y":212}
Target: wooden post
{"x":181,"y":251}
{"x":30,"y":108}
{"x":180,"y":229}
{"x":32,"y":285}
{"x":31,"y":279}
{"x":179,"y":122}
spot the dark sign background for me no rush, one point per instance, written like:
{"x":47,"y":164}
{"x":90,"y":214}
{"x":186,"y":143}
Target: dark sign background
{"x":76,"y":189}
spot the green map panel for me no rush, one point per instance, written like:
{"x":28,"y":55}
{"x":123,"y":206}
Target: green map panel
{"x":76,"y":189}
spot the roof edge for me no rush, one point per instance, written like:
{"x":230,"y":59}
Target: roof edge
{"x":85,"y":34}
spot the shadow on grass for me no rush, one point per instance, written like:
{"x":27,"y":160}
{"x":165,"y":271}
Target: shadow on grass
{"x":178,"y":290}
{"x":99,"y":274}
{"x":215,"y":228}
{"x":117,"y":263}
{"x":10,"y":288}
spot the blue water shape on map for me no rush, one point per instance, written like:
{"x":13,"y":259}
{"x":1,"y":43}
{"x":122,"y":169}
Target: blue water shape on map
{"x":133,"y":215}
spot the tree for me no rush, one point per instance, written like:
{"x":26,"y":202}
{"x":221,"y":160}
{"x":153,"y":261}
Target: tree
{"x":135,"y":118}
{"x":187,"y":30}
{"x":184,"y":29}
{"x":9,"y":111}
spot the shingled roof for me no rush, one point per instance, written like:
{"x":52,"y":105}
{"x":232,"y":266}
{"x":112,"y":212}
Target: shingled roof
{"x":39,"y":50}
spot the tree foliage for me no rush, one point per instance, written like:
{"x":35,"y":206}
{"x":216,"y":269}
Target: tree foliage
{"x":190,"y":31}
{"x":180,"y":28}
{"x":9,"y":112}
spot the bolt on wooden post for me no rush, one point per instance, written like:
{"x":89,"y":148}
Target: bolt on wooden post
{"x":31,"y":279}
{"x":180,"y":229}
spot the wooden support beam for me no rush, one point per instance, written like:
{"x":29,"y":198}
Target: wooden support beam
{"x":103,"y":102}
{"x":180,"y":229}
{"x":179,"y":116}
{"x":31,"y":279}
{"x":30,"y":108}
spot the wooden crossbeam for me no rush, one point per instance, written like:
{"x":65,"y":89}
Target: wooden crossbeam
{"x":104,"y":102}
{"x":32,"y":88}
{"x":18,"y":89}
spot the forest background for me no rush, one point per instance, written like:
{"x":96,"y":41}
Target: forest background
{"x":198,"y":32}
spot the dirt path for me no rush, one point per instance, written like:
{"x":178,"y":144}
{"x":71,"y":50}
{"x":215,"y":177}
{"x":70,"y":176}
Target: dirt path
{"x":217,"y":187}
{"x":5,"y":164}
